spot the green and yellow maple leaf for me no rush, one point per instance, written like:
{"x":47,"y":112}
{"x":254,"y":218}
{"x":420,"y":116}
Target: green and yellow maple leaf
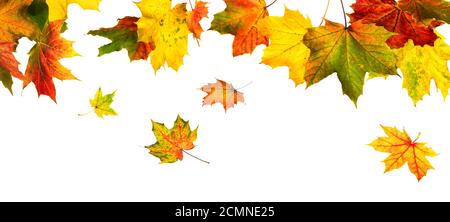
{"x":171,"y":143}
{"x":124,"y":36}
{"x":14,"y":20}
{"x":168,"y":29}
{"x":58,"y":8}
{"x":241,"y":18}
{"x":351,"y":52}
{"x":427,"y":9}
{"x":420,"y":65}
{"x":286,"y":43}
{"x":102,"y":104}
{"x":404,"y":150}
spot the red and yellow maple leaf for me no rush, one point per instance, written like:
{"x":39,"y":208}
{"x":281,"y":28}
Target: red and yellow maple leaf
{"x":240,"y":19}
{"x":222,"y":92}
{"x":404,"y":150}
{"x":193,"y":19}
{"x":171,"y":143}
{"x":14,"y":20}
{"x":388,"y":14}
{"x":44,"y":64}
{"x":9,"y":66}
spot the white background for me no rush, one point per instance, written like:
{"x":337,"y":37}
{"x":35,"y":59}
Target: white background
{"x":283,"y":144}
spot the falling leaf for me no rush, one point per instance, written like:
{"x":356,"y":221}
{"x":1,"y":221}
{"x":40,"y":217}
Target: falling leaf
{"x":351,"y":52}
{"x":9,"y":66}
{"x":404,"y":150}
{"x":171,"y":143}
{"x":43,"y":63}
{"x":427,"y":9}
{"x":222,"y":92}
{"x":58,"y":8}
{"x":286,"y":43}
{"x":387,"y":13}
{"x":167,"y":28}
{"x":240,"y":19}
{"x":102,"y":104}
{"x":420,"y":65}
{"x":124,"y":36}
{"x":193,"y":19}
{"x":14,"y":20}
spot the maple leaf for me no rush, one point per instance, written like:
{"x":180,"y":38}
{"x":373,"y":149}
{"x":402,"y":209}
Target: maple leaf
{"x":222,"y":92}
{"x":404,"y":150}
{"x":167,"y":28}
{"x":102,"y":104}
{"x":240,"y":18}
{"x":14,"y":20}
{"x":58,"y":8}
{"x":9,"y":66}
{"x":43,"y":63}
{"x":171,"y":143}
{"x":124,"y":36}
{"x":386,"y":13}
{"x":427,"y":9}
{"x":286,"y":43}
{"x":420,"y":65}
{"x":351,"y":52}
{"x":193,"y":19}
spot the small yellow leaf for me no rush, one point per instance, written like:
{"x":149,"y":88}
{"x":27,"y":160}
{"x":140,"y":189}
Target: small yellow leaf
{"x":102,"y":104}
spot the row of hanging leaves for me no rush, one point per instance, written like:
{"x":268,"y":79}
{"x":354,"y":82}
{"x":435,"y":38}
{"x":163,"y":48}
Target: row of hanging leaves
{"x":381,"y":36}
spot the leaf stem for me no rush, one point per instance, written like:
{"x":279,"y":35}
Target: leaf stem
{"x":245,"y":85}
{"x":84,"y":114}
{"x":345,"y":14}
{"x":195,"y":157}
{"x":417,"y":138}
{"x":326,"y":12}
{"x":271,"y":4}
{"x":190,"y":3}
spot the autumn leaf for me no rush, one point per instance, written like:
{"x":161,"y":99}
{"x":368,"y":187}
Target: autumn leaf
{"x":351,"y":52}
{"x":167,"y":28}
{"x":193,"y":19}
{"x":222,"y":92}
{"x":286,"y":43}
{"x":44,"y":64}
{"x":240,"y":18}
{"x":58,"y":8}
{"x":427,"y":9}
{"x":124,"y":36}
{"x":386,"y":13}
{"x":102,"y":104}
{"x":9,"y":66}
{"x":14,"y":20}
{"x":404,"y":150}
{"x":420,"y":65}
{"x":171,"y":143}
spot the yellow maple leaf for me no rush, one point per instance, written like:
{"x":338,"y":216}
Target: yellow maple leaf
{"x":404,"y":150}
{"x":286,"y":43}
{"x":420,"y":65}
{"x":167,"y":28}
{"x":58,"y":8}
{"x":14,"y":21}
{"x":102,"y":104}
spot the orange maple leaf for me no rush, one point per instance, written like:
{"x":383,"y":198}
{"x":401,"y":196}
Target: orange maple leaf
{"x":404,"y":150}
{"x":7,"y":60}
{"x":222,"y":92}
{"x":240,"y":19}
{"x":193,"y":20}
{"x":43,"y":63}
